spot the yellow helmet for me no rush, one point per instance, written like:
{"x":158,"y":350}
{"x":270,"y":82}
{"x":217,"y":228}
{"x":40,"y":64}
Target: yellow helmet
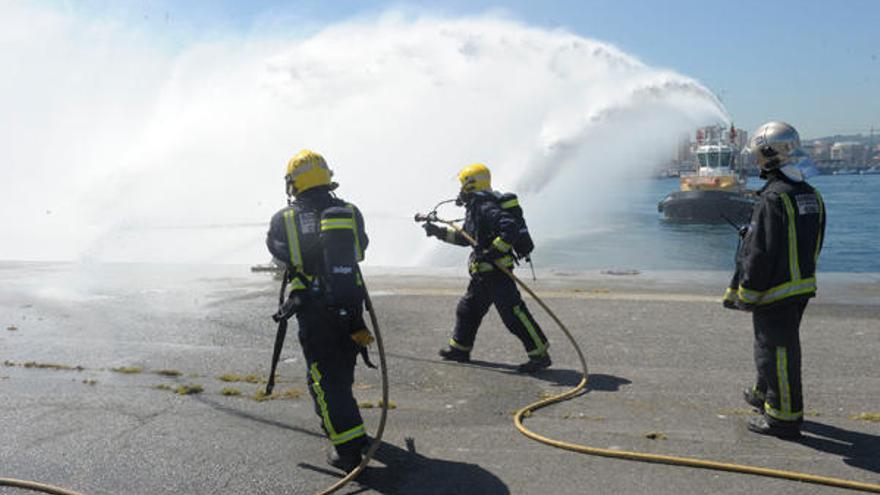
{"x":475,"y":177}
{"x":306,"y":170}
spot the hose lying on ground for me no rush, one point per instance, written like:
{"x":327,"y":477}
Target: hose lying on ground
{"x":623,"y":454}
{"x":36,"y":487}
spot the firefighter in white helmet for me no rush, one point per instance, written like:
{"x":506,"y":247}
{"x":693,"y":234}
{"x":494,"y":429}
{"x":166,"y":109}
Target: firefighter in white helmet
{"x":776,"y":275}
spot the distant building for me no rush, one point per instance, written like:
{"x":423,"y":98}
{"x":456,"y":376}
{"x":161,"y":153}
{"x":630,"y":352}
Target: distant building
{"x":848,"y":151}
{"x":714,"y":134}
{"x":683,"y":151}
{"x":818,"y":150}
{"x":741,"y":140}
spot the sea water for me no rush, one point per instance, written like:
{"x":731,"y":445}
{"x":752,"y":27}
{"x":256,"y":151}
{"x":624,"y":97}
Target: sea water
{"x":634,"y":235}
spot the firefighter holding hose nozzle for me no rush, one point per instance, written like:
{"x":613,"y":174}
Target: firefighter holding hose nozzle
{"x":495,"y":221}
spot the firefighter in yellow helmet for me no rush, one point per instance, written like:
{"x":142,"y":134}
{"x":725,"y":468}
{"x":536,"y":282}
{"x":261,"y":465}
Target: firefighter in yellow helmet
{"x":776,"y":276}
{"x":328,"y":304}
{"x":496,"y":222}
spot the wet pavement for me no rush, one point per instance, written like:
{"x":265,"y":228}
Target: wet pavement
{"x":93,"y":356}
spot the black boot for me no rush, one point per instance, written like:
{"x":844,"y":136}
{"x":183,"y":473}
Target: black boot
{"x":534,"y":364}
{"x":346,"y":461}
{"x":754,"y":398}
{"x":453,"y":354}
{"x":776,"y":429}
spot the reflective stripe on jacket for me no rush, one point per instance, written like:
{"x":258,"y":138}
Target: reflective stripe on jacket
{"x":777,"y":256}
{"x":488,"y":222}
{"x":294,"y":234}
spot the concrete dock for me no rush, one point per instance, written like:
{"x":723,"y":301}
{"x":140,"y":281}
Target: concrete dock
{"x":94,"y":358}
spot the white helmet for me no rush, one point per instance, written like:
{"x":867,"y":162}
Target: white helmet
{"x":774,"y":144}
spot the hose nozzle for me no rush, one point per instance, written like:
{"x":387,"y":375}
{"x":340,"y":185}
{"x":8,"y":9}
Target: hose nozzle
{"x":426,"y":217}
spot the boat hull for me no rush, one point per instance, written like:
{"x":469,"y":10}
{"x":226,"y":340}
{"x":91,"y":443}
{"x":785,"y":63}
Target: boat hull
{"x":707,"y":206}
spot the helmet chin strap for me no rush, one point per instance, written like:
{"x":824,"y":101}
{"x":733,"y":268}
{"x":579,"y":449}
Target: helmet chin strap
{"x":770,"y":165}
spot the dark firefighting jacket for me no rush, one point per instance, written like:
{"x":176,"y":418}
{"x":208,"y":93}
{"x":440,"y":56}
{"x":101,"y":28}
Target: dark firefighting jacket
{"x":495,"y":230}
{"x":294,"y":235}
{"x":777,"y":256}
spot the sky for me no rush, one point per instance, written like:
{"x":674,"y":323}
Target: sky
{"x":815,"y":64}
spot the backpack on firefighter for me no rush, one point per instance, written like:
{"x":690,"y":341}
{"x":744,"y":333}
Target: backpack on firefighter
{"x":523,"y":246}
{"x":339,"y":276}
{"x":337,"y":282}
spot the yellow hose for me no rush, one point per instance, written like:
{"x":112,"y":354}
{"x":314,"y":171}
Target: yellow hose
{"x":641,"y":456}
{"x":37,"y":487}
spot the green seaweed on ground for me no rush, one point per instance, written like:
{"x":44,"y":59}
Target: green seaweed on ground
{"x":51,"y":366}
{"x":365,"y":404}
{"x":287,"y":394}
{"x":233,"y":377}
{"x":867,"y":416}
{"x":189,"y":389}
{"x":261,"y":395}
{"x":391,"y":404}
{"x":9,"y":363}
{"x":656,"y":435}
{"x":128,"y":370}
{"x":163,"y":386}
{"x":168,"y":372}
{"x":591,"y":291}
{"x":90,"y":381}
{"x":230,"y":391}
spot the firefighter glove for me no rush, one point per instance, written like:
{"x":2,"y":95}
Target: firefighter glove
{"x":432,"y":230}
{"x":362,"y":337}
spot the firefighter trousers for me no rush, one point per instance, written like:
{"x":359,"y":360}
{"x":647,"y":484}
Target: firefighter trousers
{"x":778,"y":360}
{"x":484,"y":290}
{"x":330,"y":356}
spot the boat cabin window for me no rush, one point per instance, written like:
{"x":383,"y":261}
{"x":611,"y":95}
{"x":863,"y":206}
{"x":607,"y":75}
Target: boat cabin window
{"x":715,"y":159}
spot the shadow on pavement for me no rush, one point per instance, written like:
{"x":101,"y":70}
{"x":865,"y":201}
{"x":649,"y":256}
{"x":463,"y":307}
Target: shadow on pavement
{"x":252,"y":417}
{"x":564,"y":377}
{"x":605,"y":383}
{"x":859,"y":450}
{"x":407,"y":472}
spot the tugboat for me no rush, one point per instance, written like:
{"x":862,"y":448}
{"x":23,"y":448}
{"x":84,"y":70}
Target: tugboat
{"x":715,"y":193}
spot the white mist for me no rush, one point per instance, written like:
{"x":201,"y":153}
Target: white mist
{"x":117,"y":150}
